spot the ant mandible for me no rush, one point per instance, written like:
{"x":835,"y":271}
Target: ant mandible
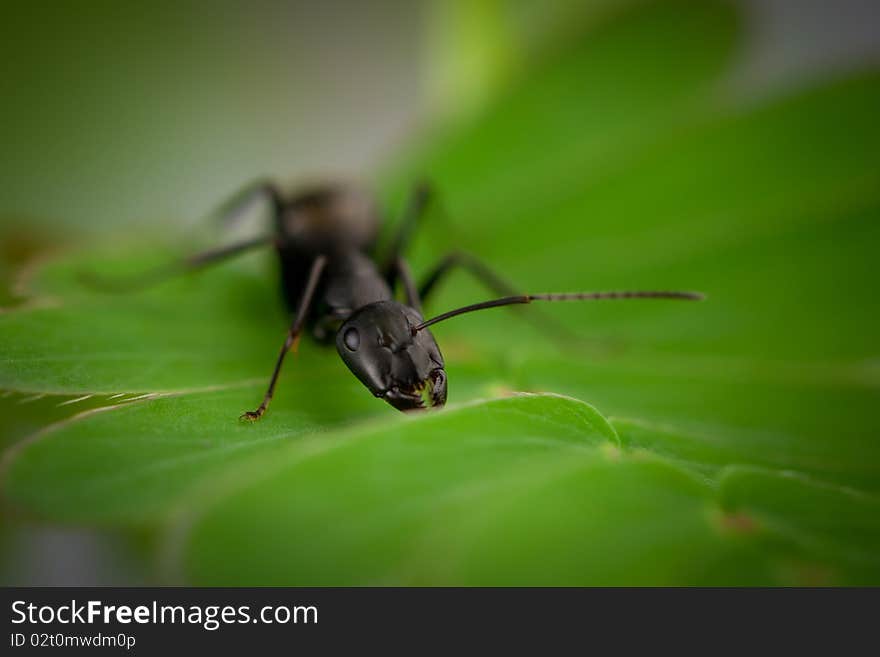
{"x":334,"y":284}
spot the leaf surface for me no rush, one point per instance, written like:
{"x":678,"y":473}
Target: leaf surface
{"x":743,"y":442}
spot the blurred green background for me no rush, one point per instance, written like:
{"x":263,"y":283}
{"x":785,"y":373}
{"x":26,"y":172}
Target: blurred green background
{"x":726,"y":147}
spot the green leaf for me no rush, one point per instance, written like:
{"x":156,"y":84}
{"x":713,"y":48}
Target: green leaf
{"x":830,"y":527}
{"x":499,"y":503}
{"x":593,"y":103}
{"x":710,"y":449}
{"x":441,"y":498}
{"x":747,"y":449}
{"x":133,"y":463}
{"x":186,"y":334}
{"x":26,"y":413}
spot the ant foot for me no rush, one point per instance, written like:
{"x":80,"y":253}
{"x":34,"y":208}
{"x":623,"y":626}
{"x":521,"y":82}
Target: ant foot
{"x":251,"y":416}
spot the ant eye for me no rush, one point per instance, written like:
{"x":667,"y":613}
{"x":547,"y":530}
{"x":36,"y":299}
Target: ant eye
{"x":352,"y":339}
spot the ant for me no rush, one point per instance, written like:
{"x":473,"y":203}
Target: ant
{"x":335,"y":284}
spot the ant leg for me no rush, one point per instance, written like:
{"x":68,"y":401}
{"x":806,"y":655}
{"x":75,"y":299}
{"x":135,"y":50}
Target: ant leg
{"x":232,"y":209}
{"x":191,"y":263}
{"x":395,"y":266}
{"x":498,"y":285}
{"x":418,"y":202}
{"x":293,"y":335}
{"x":474,"y":266}
{"x":227,"y":213}
{"x":410,"y":289}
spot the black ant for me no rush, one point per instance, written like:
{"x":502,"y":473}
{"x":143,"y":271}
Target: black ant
{"x":334,"y":284}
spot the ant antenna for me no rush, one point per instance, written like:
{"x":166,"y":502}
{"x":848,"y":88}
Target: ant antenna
{"x":569,"y":296}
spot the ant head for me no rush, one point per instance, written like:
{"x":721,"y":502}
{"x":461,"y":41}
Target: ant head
{"x":380,"y":345}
